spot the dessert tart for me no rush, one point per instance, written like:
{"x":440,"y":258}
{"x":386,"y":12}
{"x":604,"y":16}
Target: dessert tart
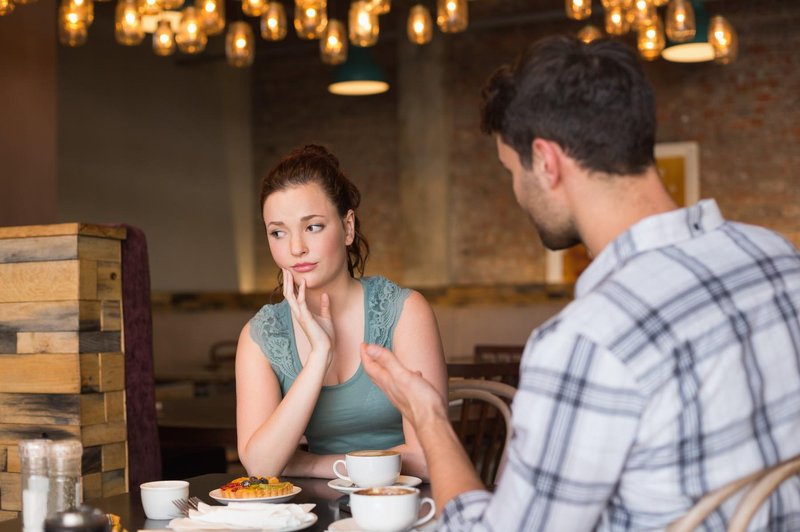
{"x":251,"y":487}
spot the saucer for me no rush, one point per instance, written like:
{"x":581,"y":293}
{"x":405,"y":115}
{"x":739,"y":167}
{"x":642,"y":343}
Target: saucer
{"x":350,"y":525}
{"x":343,"y":486}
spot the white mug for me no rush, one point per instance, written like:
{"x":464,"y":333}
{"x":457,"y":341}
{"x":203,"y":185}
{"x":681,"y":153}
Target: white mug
{"x":389,"y":509}
{"x":157,"y":498}
{"x":370,"y":468}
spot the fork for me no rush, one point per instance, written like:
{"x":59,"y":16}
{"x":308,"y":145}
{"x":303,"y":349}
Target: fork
{"x":185,"y":505}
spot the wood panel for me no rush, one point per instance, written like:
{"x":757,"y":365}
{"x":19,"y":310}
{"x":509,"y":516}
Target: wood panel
{"x":114,"y":482}
{"x":109,"y":280}
{"x":114,"y":406}
{"x":8,"y":342}
{"x":49,"y":316}
{"x":115,"y":456}
{"x":41,"y":409}
{"x":92,"y":460}
{"x":7,"y":516}
{"x":12,"y":459}
{"x":34,"y":231}
{"x":114,"y":432}
{"x":11,"y":433}
{"x":102,"y":372}
{"x":93,"y":485}
{"x":47,"y":342}
{"x":40,"y":281}
{"x":99,"y":249}
{"x":52,"y":373}
{"x":39,"y":249}
{"x":111,"y":316}
{"x":93,"y":408}
{"x":11,"y":491}
{"x":99,"y":341}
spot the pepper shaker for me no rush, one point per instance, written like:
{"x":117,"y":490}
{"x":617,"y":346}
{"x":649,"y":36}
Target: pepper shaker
{"x":33,"y":466}
{"x":64,"y":466}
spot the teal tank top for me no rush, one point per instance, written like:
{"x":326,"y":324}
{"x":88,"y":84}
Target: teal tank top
{"x":352,"y":415}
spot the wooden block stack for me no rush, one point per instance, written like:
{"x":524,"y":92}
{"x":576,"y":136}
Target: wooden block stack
{"x":62,"y":370}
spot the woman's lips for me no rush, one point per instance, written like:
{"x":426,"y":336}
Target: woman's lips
{"x":304,"y":267}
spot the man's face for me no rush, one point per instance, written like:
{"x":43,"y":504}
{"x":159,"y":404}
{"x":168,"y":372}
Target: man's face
{"x":551,"y":219}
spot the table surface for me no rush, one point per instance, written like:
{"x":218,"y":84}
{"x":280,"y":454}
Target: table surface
{"x":129,"y":505}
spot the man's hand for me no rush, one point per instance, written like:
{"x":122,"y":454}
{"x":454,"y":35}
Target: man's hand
{"x":416,"y":399}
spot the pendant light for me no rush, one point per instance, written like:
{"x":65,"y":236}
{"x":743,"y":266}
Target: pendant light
{"x":240,"y":47}
{"x":589,"y":33}
{"x":578,"y":9}
{"x":697,"y":49}
{"x":191,"y":37}
{"x":359,"y":75}
{"x":420,"y":25}
{"x":679,"y":21}
{"x":149,"y":7}
{"x":650,"y":40}
{"x":616,"y":23}
{"x":6,"y":7}
{"x":254,"y":8}
{"x":212,"y":15}
{"x":380,"y":7}
{"x":452,"y":15}
{"x":84,"y":9}
{"x":310,"y":18}
{"x":72,"y":30}
{"x":170,"y":4}
{"x":642,"y":13}
{"x":128,"y":23}
{"x":163,"y":39}
{"x":363,"y":24}
{"x":333,"y":43}
{"x":273,"y":22}
{"x":723,"y":40}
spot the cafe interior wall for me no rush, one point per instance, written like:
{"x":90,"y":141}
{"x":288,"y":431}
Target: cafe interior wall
{"x":177,"y":147}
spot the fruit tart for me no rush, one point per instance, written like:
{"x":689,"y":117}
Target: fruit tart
{"x":252,"y":487}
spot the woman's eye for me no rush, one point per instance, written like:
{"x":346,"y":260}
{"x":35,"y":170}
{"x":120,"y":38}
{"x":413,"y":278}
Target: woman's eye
{"x":315,"y":228}
{"x":276,"y":234}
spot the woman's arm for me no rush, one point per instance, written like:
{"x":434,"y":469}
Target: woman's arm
{"x":418,"y":346}
{"x":268,"y":427}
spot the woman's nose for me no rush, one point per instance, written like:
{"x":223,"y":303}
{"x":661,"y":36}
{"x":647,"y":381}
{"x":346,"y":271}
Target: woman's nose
{"x":298,"y":246}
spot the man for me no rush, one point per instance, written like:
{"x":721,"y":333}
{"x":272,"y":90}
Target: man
{"x":675,"y":370}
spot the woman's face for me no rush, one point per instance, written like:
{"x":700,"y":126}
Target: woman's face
{"x":306,"y":234}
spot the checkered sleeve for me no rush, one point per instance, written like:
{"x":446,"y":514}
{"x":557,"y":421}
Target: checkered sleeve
{"x":575,"y":419}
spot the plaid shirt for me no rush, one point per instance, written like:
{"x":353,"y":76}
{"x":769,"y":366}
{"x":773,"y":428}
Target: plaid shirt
{"x":675,"y":370}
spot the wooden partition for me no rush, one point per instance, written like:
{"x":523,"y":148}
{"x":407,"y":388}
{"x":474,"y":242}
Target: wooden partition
{"x":62,"y":371}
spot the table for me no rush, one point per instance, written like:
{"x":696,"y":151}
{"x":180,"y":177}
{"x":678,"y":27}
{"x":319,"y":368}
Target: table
{"x":129,"y":506}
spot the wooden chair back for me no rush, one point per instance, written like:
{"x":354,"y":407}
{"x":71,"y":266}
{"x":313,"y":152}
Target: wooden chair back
{"x":481,"y":417}
{"x":506,"y":372}
{"x":498,"y":353}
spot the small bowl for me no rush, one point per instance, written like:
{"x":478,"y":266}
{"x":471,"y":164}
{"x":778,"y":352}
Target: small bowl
{"x":157,"y":498}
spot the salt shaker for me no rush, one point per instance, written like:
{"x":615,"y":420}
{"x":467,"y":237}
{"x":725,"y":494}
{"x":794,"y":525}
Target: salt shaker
{"x":64,"y":466}
{"x":33,"y":464}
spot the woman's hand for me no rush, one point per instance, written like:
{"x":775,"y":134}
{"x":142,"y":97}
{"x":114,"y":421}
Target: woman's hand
{"x":317,"y":328}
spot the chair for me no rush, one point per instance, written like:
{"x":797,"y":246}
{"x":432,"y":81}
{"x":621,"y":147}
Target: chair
{"x":506,"y":372}
{"x":222,"y":353}
{"x":481,"y":417}
{"x":761,"y":484}
{"x":498,"y":353}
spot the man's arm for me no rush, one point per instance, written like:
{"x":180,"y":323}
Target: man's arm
{"x":451,"y":471}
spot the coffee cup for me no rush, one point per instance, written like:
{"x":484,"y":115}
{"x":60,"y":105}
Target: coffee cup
{"x":389,"y":509}
{"x":370,"y":468}
{"x":157,"y":498}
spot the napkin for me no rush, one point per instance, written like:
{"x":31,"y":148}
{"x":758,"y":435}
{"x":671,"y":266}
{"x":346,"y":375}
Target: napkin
{"x":246,"y":515}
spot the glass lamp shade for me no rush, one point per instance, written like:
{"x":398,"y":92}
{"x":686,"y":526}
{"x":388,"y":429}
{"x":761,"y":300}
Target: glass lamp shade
{"x":310,"y":18}
{"x":697,"y":49}
{"x":589,"y":33}
{"x":128,"y":29}
{"x":641,"y":14}
{"x":163,"y":39}
{"x":723,"y":40}
{"x":420,"y":25}
{"x":212,"y":15}
{"x":84,"y":9}
{"x":615,"y":21}
{"x":650,"y":40}
{"x":363,"y":24}
{"x":679,"y":21}
{"x":659,"y":3}
{"x":240,"y":45}
{"x":254,"y":8}
{"x":72,"y":30}
{"x":170,"y":4}
{"x":578,"y":9}
{"x":149,"y":7}
{"x":380,"y":7}
{"x":191,"y":37}
{"x":6,"y":7}
{"x":358,"y":76}
{"x":273,"y":22}
{"x":24,"y":2}
{"x":452,"y":15}
{"x":608,"y":4}
{"x":333,"y":43}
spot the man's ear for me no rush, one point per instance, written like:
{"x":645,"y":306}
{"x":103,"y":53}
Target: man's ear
{"x":547,"y":161}
{"x":349,"y":223}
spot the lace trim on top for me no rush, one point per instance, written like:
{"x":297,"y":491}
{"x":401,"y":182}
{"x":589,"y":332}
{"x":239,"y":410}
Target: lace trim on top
{"x":271,"y":327}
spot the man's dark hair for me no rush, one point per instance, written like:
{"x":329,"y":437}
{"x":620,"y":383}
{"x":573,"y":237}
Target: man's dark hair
{"x":592,"y":99}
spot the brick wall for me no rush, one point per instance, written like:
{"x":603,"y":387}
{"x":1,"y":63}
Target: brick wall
{"x":745,"y":117}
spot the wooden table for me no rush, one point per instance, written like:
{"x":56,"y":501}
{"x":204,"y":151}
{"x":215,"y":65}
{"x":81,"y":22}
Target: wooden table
{"x":129,"y":505}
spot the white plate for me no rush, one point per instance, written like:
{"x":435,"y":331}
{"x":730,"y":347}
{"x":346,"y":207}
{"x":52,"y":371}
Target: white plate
{"x":344,"y":486}
{"x":186,"y":524}
{"x":217,"y":496}
{"x":349,"y":525}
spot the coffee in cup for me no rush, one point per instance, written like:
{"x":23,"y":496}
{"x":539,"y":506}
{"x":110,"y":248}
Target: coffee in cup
{"x":389,"y":509}
{"x":370,"y":467}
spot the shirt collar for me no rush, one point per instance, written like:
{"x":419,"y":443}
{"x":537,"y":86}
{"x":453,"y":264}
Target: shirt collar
{"x":653,"y":232}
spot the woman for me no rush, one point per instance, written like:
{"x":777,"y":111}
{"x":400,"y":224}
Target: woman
{"x":298,"y":370}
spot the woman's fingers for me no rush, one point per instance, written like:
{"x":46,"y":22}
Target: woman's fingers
{"x":325,"y":306}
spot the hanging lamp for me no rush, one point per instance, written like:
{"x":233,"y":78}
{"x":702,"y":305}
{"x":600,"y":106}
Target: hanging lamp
{"x":273,"y":22}
{"x":697,"y":49}
{"x":420,"y":25}
{"x":360,"y":75}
